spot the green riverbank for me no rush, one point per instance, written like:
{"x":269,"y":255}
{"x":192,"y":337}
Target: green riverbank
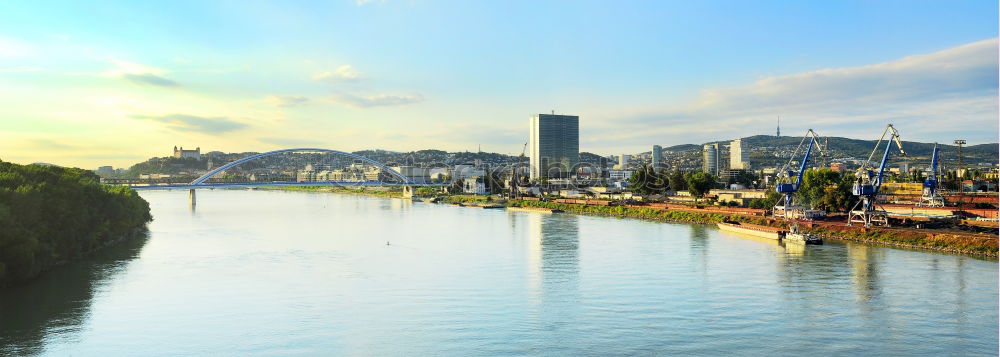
{"x":50,"y":215}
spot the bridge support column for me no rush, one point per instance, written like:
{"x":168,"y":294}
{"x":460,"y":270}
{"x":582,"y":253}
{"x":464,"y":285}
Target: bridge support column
{"x":407,"y":191}
{"x":191,"y":197}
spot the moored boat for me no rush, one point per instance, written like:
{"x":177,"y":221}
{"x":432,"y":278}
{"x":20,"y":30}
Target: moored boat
{"x":753,"y":229}
{"x":797,"y":237}
{"x":534,"y":209}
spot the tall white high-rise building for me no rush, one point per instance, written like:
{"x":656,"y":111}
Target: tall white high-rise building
{"x":623,"y":161}
{"x":657,"y":158}
{"x":554,"y":145}
{"x":710,"y":157}
{"x":737,"y":155}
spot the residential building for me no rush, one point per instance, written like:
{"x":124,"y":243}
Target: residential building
{"x":554,"y":145}
{"x":622,"y":162}
{"x":464,"y":171}
{"x":475,"y":185}
{"x":415,"y":174}
{"x":105,"y":171}
{"x":839,"y":167}
{"x":619,"y":175}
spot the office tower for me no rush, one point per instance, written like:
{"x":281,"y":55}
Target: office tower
{"x":710,"y":157}
{"x":657,"y":158}
{"x":555,"y":145}
{"x":737,"y":155}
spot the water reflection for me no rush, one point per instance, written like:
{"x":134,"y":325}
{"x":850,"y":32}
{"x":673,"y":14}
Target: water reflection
{"x":555,"y":261}
{"x":864,"y":265}
{"x":698,"y":247}
{"x":59,"y":300}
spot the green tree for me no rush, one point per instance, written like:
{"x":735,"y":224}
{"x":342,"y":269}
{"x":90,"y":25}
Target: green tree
{"x":768,"y":201}
{"x":826,"y":189}
{"x":743,"y":177}
{"x":699,"y":183}
{"x":637,"y":183}
{"x":676,"y":181}
{"x":457,"y":187}
{"x":646,"y":181}
{"x":52,"y":214}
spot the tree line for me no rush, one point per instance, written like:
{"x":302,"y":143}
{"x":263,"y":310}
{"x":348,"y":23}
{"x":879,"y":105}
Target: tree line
{"x":821,"y":189}
{"x":52,"y":214}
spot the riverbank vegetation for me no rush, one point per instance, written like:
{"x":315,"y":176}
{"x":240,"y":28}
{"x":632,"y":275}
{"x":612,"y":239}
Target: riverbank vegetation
{"x":52,"y":214}
{"x":948,"y":242}
{"x":957,"y":243}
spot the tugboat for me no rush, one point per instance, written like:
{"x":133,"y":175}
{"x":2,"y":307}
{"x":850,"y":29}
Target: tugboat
{"x":795,"y":236}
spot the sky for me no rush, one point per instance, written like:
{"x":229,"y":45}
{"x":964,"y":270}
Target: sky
{"x":98,"y":83}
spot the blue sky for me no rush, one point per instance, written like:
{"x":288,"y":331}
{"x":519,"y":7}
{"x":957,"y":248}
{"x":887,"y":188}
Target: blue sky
{"x":91,"y":84}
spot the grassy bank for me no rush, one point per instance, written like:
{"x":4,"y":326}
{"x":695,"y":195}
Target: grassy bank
{"x":643,"y":213}
{"x":955,"y":243}
{"x":351,"y":191}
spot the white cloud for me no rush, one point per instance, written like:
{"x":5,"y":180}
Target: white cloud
{"x":140,"y":74}
{"x":125,"y":67}
{"x":342,"y":73}
{"x":378,"y":100}
{"x":193,"y":123}
{"x":917,"y":93}
{"x":286,"y":100}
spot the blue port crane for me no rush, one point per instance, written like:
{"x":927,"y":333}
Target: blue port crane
{"x":868,"y":182}
{"x":930,"y":196}
{"x":789,"y":181}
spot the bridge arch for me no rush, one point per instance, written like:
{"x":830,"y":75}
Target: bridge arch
{"x":210,"y":174}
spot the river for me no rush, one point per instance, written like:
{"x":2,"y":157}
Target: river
{"x":294,"y":273}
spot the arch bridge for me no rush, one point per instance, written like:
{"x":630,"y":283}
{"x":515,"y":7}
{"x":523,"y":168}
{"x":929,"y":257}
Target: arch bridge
{"x":204,"y":180}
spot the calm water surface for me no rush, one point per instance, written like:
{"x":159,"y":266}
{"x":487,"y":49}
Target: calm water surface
{"x":287,"y":273}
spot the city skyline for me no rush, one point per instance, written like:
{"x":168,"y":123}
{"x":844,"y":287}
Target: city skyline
{"x":90,"y":91}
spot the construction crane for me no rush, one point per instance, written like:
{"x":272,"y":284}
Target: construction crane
{"x":930,"y":196}
{"x":868,"y":182}
{"x":789,"y":181}
{"x":515,"y":177}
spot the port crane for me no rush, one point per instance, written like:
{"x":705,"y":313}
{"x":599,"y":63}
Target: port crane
{"x":789,"y":181}
{"x":930,"y":196}
{"x":868,"y":182}
{"x":515,"y":177}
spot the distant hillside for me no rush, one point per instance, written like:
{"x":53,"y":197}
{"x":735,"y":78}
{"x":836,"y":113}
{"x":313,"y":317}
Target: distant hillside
{"x":858,"y":147}
{"x":767,"y":150}
{"x":683,"y":147}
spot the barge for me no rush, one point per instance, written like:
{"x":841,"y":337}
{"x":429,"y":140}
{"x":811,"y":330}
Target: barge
{"x":753,"y":229}
{"x":781,"y":235}
{"x":534,"y":209}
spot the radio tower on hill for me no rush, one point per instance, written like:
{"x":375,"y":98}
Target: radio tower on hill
{"x":778,"y":133}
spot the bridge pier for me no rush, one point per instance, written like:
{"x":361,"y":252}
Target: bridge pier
{"x":191,"y":197}
{"x":407,"y":191}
